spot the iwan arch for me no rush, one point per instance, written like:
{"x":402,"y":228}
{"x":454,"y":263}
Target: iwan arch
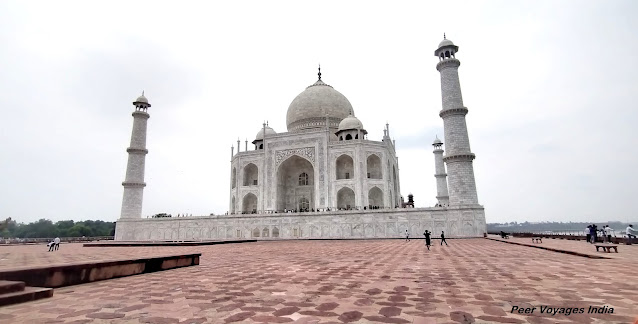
{"x":323,"y":177}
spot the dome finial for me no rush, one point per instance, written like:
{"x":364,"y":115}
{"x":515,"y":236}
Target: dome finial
{"x":444,"y":36}
{"x":319,"y":72}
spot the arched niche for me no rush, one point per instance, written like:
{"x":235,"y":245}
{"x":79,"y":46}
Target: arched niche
{"x":375,"y":170}
{"x":251,"y":174}
{"x":375,"y":197}
{"x":249,"y":203}
{"x":345,"y":198}
{"x":232,"y":205}
{"x":345,"y":167}
{"x":233,"y":178}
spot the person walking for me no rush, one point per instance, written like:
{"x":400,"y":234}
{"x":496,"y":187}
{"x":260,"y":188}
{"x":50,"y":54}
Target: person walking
{"x":56,"y":242}
{"x":443,"y":238}
{"x":630,"y":231}
{"x":588,"y":233}
{"x":427,"y":239}
{"x":594,"y":233}
{"x":407,"y":236}
{"x":51,"y":245}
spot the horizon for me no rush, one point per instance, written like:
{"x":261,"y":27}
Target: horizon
{"x":543,"y":99}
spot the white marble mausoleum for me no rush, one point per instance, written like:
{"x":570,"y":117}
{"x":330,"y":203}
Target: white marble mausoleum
{"x":323,"y":177}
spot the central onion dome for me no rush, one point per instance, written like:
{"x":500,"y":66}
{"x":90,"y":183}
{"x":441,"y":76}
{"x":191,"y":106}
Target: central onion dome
{"x":310,"y":108}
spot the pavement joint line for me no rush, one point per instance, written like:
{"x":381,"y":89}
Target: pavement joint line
{"x":554,"y":250}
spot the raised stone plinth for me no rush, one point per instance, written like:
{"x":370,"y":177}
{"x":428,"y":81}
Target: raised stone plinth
{"x":79,"y":273}
{"x":161,"y":243}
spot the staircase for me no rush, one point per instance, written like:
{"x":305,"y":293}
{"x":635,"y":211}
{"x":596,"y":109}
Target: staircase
{"x":14,"y":292}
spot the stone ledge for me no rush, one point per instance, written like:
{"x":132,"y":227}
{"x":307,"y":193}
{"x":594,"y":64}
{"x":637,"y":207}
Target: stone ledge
{"x":79,"y":273}
{"x":552,"y":249}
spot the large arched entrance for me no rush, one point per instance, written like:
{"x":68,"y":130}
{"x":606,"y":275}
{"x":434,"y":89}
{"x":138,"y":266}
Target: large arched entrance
{"x":295,"y":184}
{"x":345,"y":198}
{"x":250,"y":204}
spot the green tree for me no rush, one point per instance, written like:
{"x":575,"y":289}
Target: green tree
{"x":80,"y":230}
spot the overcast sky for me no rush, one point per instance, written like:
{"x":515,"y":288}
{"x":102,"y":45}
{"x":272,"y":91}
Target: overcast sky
{"x":550,"y":86}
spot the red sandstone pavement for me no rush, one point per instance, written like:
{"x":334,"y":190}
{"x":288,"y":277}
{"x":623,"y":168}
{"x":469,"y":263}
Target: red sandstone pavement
{"x":367,"y":281}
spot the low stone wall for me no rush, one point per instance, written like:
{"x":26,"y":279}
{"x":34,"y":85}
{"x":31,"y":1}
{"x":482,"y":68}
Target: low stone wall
{"x":73,"y":274}
{"x":392,"y":223}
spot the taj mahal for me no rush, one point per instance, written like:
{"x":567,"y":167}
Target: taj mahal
{"x":323,"y":178}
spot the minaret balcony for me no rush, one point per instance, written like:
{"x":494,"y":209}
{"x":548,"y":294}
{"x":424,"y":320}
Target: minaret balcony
{"x":448,"y":63}
{"x":466,"y":157}
{"x":130,"y":184}
{"x":462,"y":111}
{"x":137,"y":150}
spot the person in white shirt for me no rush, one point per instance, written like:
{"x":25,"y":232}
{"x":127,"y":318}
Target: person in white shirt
{"x":56,"y":241}
{"x":50,"y":245}
{"x":631,"y":232}
{"x":407,"y":236}
{"x":607,"y":230}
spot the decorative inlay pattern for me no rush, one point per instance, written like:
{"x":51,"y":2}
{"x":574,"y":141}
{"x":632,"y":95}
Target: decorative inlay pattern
{"x":305,"y":152}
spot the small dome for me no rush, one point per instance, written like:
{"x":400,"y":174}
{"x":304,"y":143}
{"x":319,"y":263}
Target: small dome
{"x":446,"y":42}
{"x":309,"y":109}
{"x":350,"y":122}
{"x":260,"y":134}
{"x":437,"y":141}
{"x":141,"y":99}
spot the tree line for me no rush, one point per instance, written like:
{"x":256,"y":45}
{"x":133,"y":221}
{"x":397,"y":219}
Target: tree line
{"x":45,"y":228}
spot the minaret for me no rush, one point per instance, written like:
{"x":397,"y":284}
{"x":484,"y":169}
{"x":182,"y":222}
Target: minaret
{"x":441,"y":177}
{"x":134,"y":182}
{"x":458,"y":155}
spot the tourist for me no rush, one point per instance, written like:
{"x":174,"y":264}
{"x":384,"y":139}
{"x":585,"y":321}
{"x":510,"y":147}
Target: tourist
{"x":427,"y":239}
{"x":607,"y":231}
{"x":594,"y":233}
{"x":51,"y":245}
{"x":57,"y":243}
{"x":443,"y":238}
{"x":407,"y":236}
{"x":588,"y":233}
{"x":630,"y":231}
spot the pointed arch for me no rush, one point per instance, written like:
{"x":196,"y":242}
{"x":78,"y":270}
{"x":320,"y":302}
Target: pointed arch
{"x":396,"y":186}
{"x":251,"y":174}
{"x":233,"y":178}
{"x":375,"y":170}
{"x":249,"y":203}
{"x":345,"y":198}
{"x":232,"y":205}
{"x":345,"y":167}
{"x":289,"y":189}
{"x":375,"y":197}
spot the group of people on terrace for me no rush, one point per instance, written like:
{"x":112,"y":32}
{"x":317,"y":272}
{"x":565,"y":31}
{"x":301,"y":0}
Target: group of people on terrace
{"x":593,"y":232}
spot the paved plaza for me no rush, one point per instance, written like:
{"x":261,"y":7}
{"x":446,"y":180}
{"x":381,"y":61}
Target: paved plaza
{"x":362,"y":281}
